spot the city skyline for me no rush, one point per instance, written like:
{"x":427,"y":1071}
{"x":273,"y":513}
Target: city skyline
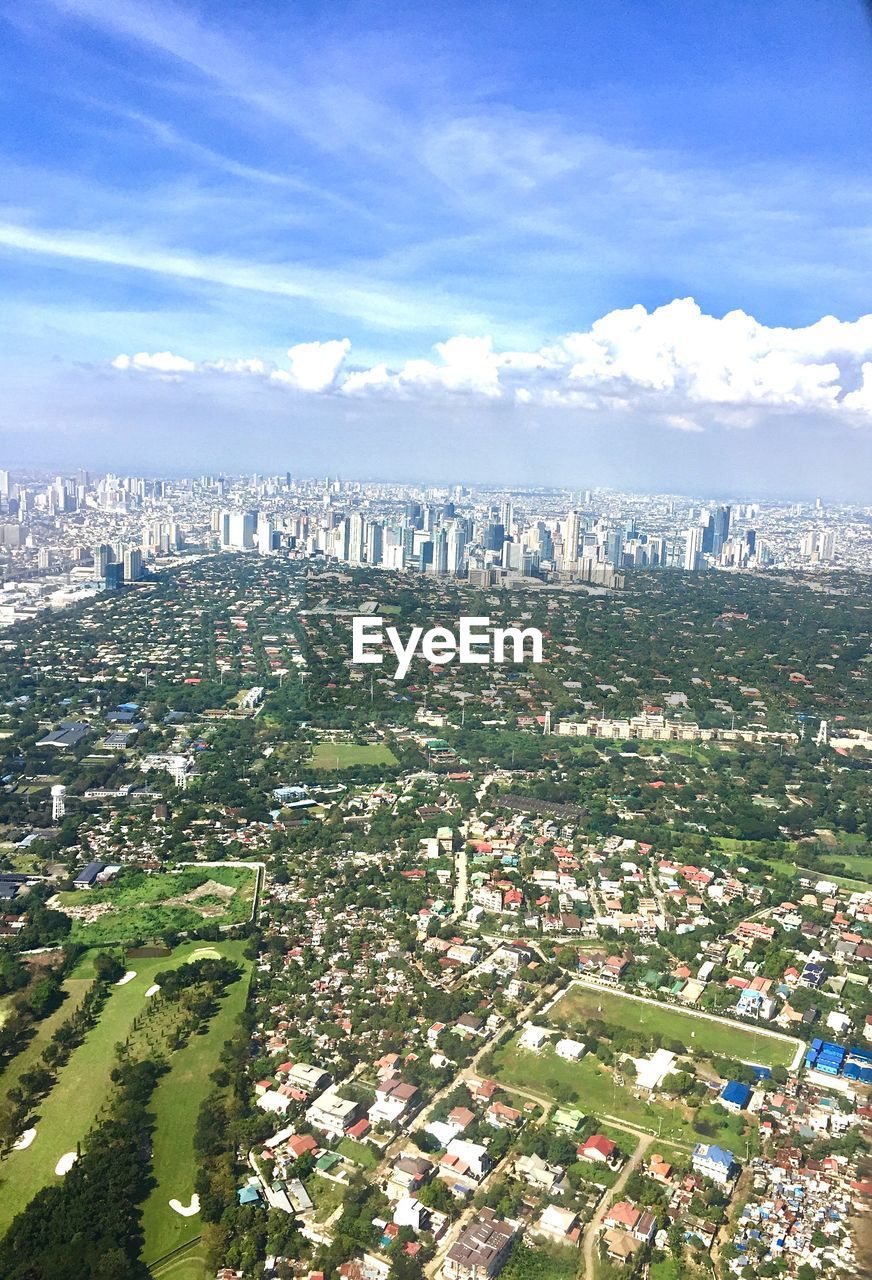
{"x":635,"y":253}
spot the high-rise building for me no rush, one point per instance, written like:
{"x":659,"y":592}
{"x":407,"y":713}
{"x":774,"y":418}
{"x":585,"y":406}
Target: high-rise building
{"x":132,"y":565}
{"x":265,"y":533}
{"x":571,"y":535}
{"x":693,"y":545}
{"x":239,"y":531}
{"x":356,"y":538}
{"x":374,"y":542}
{"x":720,"y":529}
{"x":456,"y":547}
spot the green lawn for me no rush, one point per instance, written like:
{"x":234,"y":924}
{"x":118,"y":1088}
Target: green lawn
{"x":176,"y":1104}
{"x":188,"y":1264}
{"x":729,"y":1040}
{"x":598,"y":1093}
{"x":65,"y":1116}
{"x":345,"y":755}
{"x":74,"y":989}
{"x":359,"y":1152}
{"x":144,"y":907}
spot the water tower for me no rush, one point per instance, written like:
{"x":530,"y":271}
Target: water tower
{"x":58,"y":803}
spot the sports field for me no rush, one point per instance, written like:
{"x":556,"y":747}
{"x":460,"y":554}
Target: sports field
{"x":176,"y":1104}
{"x":695,"y":1031}
{"x":83,"y":1084}
{"x":346,"y":755}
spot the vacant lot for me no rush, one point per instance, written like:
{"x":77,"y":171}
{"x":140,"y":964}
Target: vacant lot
{"x":64,"y":1118}
{"x":176,"y":1104}
{"x":141,"y":907}
{"x":595,"y":1090}
{"x":346,"y":755}
{"x":696,"y":1032}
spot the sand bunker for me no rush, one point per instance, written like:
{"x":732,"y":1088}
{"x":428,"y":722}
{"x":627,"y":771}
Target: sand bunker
{"x":205,"y":953}
{"x":152,"y":991}
{"x":66,"y":1163}
{"x":186,"y":1210}
{"x":128,"y":977}
{"x":25,"y":1140}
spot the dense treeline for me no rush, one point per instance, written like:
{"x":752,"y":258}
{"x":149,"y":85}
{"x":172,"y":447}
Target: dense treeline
{"x":89,"y":1225}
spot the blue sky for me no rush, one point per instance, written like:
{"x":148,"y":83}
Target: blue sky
{"x":209,"y":186}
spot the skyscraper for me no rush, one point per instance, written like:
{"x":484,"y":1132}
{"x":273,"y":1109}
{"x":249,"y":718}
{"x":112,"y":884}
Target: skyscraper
{"x":693,"y":542}
{"x":571,"y":535}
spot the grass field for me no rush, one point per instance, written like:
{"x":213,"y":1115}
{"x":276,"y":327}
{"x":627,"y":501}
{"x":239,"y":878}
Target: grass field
{"x":65,"y":1116}
{"x":345,"y":755}
{"x":855,"y":862}
{"x":176,"y":1104}
{"x":140,"y":907}
{"x":588,"y":1085}
{"x":188,"y":1264}
{"x":359,"y":1152}
{"x":724,"y":1039}
{"x":74,"y":989}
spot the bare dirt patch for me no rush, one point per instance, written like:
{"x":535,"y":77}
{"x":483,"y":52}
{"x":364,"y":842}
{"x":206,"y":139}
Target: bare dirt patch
{"x":202,"y":899}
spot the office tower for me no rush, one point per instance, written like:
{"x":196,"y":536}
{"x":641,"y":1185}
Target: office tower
{"x":264,"y":535}
{"x":657,"y":552}
{"x":614,"y":548}
{"x":113,"y":576}
{"x":693,"y":541}
{"x":751,"y":541}
{"x":132,"y":565}
{"x":571,"y":535}
{"x":808,"y":545}
{"x":720,"y":529}
{"x":512,"y":556}
{"x":341,"y":539}
{"x":424,"y":553}
{"x":707,"y":524}
{"x":101,"y":556}
{"x":374,"y":542}
{"x":356,"y":538}
{"x":240,"y":531}
{"x":456,"y":547}
{"x":507,"y":516}
{"x":494,"y":536}
{"x":440,"y":551}
{"x":43,"y":558}
{"x":4,"y":484}
{"x":826,"y":545}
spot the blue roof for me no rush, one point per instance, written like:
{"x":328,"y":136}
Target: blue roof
{"x":248,"y":1194}
{"x":736,"y":1094}
{"x":716,"y":1154}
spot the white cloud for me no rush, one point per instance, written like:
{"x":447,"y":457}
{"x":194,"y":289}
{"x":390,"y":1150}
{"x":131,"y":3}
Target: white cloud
{"x":159,"y":362}
{"x":315,"y":365}
{"x":686,"y":369}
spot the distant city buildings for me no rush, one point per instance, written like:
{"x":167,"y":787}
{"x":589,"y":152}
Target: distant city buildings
{"x":62,"y":536}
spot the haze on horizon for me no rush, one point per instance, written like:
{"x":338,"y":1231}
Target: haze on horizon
{"x":624,"y":245}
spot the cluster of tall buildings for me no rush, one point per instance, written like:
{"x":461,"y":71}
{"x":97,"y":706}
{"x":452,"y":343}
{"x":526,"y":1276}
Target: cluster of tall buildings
{"x":710,"y":542}
{"x":50,"y":526}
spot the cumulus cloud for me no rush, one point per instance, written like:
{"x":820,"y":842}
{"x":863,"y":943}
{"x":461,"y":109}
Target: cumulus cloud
{"x":314,"y":365}
{"x":675,"y":363}
{"x":159,"y":362}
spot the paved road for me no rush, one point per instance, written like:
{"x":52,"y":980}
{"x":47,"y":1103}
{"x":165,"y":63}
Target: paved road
{"x":460,"y":864}
{"x":610,"y":1194}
